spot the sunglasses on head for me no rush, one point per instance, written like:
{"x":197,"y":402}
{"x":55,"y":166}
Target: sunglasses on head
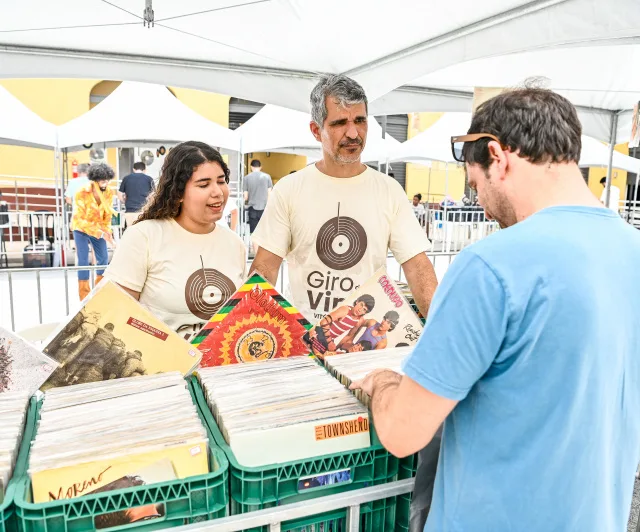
{"x":457,"y":143}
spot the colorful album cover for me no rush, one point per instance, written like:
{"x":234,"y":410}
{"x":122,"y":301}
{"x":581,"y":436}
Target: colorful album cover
{"x":256,"y":324}
{"x":374,"y":316}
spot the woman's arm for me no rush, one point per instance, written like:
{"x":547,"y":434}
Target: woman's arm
{"x":132,"y":293}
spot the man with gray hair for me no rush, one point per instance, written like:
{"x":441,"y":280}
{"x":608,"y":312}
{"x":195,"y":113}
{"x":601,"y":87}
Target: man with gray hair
{"x":336,"y":220}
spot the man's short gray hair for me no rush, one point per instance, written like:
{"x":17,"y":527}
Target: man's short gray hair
{"x":343,"y":89}
{"x":83,"y":168}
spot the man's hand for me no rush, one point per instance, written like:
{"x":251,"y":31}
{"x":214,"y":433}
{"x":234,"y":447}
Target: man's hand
{"x":266,"y":264}
{"x":376,"y":380}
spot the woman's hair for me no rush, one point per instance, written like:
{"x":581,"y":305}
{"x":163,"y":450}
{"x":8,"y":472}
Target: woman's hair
{"x":100,"y":172}
{"x":177,"y":169}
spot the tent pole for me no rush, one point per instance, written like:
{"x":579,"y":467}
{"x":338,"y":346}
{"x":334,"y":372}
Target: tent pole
{"x":65,"y":231}
{"x":612,"y":142}
{"x":240,"y":198}
{"x":635,"y":193}
{"x":384,"y":136}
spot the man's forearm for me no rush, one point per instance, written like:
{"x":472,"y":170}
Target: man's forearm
{"x":385,"y":387}
{"x":422,"y":281}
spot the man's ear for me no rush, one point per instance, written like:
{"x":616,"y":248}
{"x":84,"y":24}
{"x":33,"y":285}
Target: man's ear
{"x":498,"y":157}
{"x":315,"y":130}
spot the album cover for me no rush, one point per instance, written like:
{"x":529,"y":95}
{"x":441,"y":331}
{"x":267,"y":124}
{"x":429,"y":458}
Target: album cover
{"x":112,"y":337}
{"x":256,"y":324}
{"x":161,"y":471}
{"x":23,"y":367}
{"x":69,"y":481}
{"x":375,"y":316}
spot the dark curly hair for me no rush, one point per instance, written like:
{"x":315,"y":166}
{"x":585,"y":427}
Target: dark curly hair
{"x":178,"y":167}
{"x":100,"y":172}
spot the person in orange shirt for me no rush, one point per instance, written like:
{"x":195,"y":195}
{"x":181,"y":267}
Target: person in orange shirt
{"x":91,"y":222}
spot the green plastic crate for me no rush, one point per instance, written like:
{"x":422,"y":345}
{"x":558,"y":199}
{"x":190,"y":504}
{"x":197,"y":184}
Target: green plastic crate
{"x":407,"y":469}
{"x":189,"y":500}
{"x":8,"y":519}
{"x":256,"y":488}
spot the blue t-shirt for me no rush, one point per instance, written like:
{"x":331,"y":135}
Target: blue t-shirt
{"x":536,"y":332}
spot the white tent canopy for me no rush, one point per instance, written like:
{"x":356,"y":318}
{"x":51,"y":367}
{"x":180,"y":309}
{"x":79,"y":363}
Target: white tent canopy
{"x":139,"y":113}
{"x":196,"y":44}
{"x":276,"y":129}
{"x":434,"y":144}
{"x":20,"y":126}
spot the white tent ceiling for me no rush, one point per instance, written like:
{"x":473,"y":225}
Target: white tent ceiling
{"x":277,"y":129}
{"x":272,"y":50}
{"x":141,"y":113}
{"x":20,"y":126}
{"x":434,"y":144}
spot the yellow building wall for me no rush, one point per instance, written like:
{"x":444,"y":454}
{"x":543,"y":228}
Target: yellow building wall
{"x":277,"y":165}
{"x":618,"y":177}
{"x":214,"y":107}
{"x":432,"y":182}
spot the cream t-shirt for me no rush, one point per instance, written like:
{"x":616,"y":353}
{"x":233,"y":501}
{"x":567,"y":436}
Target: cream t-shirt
{"x":183,"y":278}
{"x":335,"y":233}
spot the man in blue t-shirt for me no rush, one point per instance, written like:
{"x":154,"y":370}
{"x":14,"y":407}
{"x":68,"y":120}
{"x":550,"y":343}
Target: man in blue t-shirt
{"x":530,"y":357}
{"x":134,"y":191}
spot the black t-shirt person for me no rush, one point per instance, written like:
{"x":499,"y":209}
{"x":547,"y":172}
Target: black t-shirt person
{"x":136,"y":187}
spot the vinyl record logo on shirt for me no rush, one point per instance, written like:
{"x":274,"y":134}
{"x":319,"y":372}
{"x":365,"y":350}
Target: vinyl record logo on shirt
{"x":341,"y":242}
{"x":206,"y":291}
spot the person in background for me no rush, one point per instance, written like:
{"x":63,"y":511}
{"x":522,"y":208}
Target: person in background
{"x":257,"y":186}
{"x":134,"y":191}
{"x":91,"y":222}
{"x":177,"y":259}
{"x":230,"y":215}
{"x":614,"y":196}
{"x":538,"y":374}
{"x":76,"y":184}
{"x":418,"y":207}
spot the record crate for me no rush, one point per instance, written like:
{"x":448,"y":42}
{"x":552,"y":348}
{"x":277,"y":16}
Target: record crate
{"x":408,"y":468}
{"x":256,"y":488}
{"x":188,"y":500}
{"x":8,"y":519}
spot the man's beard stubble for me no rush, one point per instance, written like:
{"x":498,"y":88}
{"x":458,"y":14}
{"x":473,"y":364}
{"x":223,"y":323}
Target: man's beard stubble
{"x":339,"y":158}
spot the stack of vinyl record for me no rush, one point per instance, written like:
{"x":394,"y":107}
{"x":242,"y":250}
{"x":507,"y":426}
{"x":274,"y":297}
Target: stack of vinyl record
{"x":282,"y":410}
{"x":115,"y":434}
{"x":13,"y":408}
{"x":355,"y":366}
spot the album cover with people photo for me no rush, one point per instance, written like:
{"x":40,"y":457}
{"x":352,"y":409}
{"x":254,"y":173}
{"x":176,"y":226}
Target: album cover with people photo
{"x":112,"y":337}
{"x":374,"y":316}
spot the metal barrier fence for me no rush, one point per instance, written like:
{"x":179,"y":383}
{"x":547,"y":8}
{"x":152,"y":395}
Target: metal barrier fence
{"x":56,"y":289}
{"x":274,"y":517}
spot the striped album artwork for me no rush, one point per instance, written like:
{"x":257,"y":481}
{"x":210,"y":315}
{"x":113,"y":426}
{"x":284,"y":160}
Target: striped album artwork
{"x":257,"y":323}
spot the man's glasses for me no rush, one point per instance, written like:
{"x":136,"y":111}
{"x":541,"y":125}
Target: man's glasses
{"x":457,"y":143}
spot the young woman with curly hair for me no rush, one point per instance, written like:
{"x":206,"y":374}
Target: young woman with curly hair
{"x":176,"y":259}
